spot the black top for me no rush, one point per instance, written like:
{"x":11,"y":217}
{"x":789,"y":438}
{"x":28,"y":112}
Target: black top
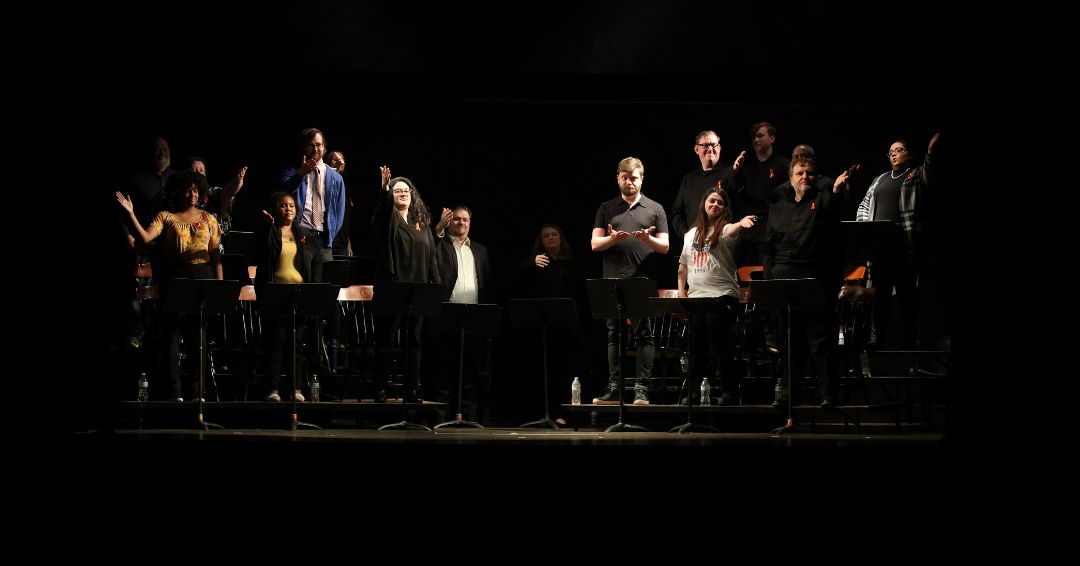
{"x":406,"y":250}
{"x":560,"y":279}
{"x":267,"y":250}
{"x":625,"y":257}
{"x":756,"y":181}
{"x":691,"y":190}
{"x":807,"y":231}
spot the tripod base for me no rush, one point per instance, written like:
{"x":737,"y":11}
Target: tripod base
{"x":203,"y":424}
{"x":545,"y":422}
{"x":693,"y":427}
{"x":788,"y":428}
{"x":623,"y":427}
{"x":300,"y":424}
{"x":404,"y":425}
{"x":459,"y":423}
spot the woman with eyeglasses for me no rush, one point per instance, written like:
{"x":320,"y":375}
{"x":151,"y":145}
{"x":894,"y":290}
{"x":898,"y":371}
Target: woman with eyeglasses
{"x":406,"y":252}
{"x":898,"y":196}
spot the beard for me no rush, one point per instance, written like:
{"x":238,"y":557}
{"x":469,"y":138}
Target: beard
{"x":629,"y":190}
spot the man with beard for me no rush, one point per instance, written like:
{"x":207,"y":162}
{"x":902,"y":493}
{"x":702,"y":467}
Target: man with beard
{"x":627,"y":229}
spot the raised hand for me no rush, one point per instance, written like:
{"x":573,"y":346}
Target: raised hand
{"x":748,"y":221}
{"x":933,"y":140}
{"x":739,"y":161}
{"x":444,"y":220}
{"x":309,"y":165}
{"x":125,"y":202}
{"x":542,"y":260}
{"x":384,"y":173}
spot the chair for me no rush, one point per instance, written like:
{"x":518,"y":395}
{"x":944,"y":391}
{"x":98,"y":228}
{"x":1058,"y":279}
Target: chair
{"x":854,"y":317}
{"x":359,"y":330}
{"x":749,"y":339}
{"x":669,"y":334}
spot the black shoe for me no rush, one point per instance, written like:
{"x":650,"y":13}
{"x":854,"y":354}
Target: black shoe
{"x":728,"y":399}
{"x":641,"y":397}
{"x":610,"y":397}
{"x":414,"y":395}
{"x":380,"y":395}
{"x":780,"y":403}
{"x":828,"y":403}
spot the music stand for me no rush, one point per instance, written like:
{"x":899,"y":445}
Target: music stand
{"x":293,"y":299}
{"x":408,"y":299}
{"x":689,"y":307}
{"x":204,"y":296}
{"x":237,"y":242}
{"x":616,"y":299}
{"x":864,"y":241}
{"x":784,"y":295}
{"x":542,"y":313}
{"x":474,"y":320}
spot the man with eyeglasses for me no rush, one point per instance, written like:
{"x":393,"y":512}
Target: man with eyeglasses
{"x":693,"y":185}
{"x":897,"y":195}
{"x":319,"y":192}
{"x":626,"y":231}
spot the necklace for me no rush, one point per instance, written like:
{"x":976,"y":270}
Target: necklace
{"x":902,"y":173}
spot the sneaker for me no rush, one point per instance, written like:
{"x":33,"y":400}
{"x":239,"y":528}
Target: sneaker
{"x":610,"y":397}
{"x":827,"y":403}
{"x":272,"y":397}
{"x":178,"y":399}
{"x":298,"y":396}
{"x":641,"y":397}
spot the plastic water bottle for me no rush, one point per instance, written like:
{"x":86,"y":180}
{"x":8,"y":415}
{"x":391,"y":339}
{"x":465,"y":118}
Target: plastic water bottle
{"x":575,"y":392}
{"x":683,"y":363}
{"x":144,"y":388}
{"x":315,"y":388}
{"x":706,"y":397}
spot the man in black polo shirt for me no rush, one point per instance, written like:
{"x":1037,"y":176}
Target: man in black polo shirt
{"x":803,"y":241}
{"x":693,"y":185}
{"x":626,"y":230}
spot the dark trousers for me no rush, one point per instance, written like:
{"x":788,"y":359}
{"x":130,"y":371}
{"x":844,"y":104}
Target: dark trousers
{"x":278,"y":346}
{"x":386,"y":329}
{"x":712,"y":345}
{"x":642,"y":337}
{"x":813,"y":330}
{"x":902,"y":276}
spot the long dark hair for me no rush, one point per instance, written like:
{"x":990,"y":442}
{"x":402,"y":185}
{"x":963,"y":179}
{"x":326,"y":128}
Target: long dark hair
{"x":178,"y":184}
{"x":564,"y":247}
{"x":702,"y":223}
{"x":418,"y":212}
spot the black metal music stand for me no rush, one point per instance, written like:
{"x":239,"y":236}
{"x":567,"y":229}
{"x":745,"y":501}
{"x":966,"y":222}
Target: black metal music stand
{"x":297,"y":299}
{"x":542,"y":313}
{"x":474,"y":320}
{"x":785,"y":295}
{"x":204,"y":296}
{"x":697,"y":306}
{"x":408,"y":299}
{"x":864,"y":241}
{"x":617,"y":299}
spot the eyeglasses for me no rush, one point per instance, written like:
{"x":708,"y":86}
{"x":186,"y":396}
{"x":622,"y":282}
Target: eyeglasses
{"x":707,"y":145}
{"x":897,"y":151}
{"x":402,"y":191}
